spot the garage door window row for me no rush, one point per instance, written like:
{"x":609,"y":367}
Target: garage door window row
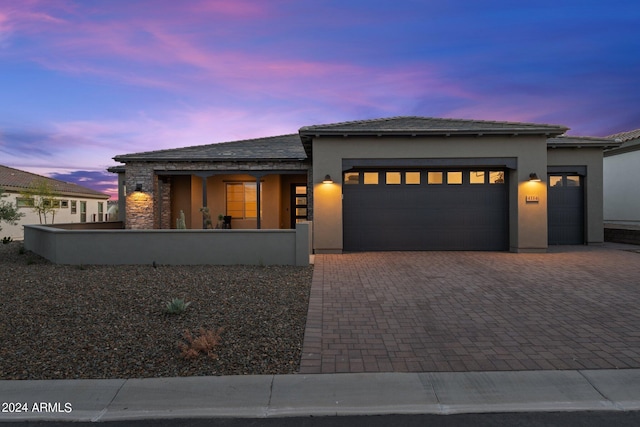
{"x":451,"y":177}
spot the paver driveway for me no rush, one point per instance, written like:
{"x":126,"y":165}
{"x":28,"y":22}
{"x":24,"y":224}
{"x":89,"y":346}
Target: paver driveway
{"x":573,"y":308}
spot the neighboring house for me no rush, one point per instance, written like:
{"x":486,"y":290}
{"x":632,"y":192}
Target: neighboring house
{"x":76,"y":203}
{"x":621,"y":177}
{"x":403,"y":183}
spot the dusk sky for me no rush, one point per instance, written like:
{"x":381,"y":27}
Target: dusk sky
{"x":82,"y":81}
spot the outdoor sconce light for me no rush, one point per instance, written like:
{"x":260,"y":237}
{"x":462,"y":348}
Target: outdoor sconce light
{"x":534,"y":177}
{"x":327,"y":179}
{"x":138,"y":187}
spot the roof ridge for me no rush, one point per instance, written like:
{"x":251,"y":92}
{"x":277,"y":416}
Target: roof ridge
{"x":39,"y":176}
{"x":446,"y":119}
{"x":164,"y":150}
{"x":71,"y":187}
{"x":379,"y":119}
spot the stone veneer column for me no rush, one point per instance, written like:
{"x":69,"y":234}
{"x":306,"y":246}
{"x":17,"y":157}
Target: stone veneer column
{"x":140,"y":204}
{"x":165,"y":202}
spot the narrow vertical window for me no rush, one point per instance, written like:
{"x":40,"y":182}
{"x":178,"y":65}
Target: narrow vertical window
{"x":83,"y":211}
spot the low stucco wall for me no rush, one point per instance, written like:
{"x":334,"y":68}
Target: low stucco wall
{"x":173,"y":247}
{"x":108,"y":225}
{"x":622,"y":233}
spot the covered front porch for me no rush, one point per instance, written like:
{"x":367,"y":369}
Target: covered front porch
{"x":267,"y":199}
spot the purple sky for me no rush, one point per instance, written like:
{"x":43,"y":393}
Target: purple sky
{"x":82,"y":81}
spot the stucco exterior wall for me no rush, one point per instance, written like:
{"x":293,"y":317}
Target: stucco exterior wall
{"x":592,"y":159}
{"x":528,"y":221}
{"x":173,"y":247}
{"x":621,"y":176}
{"x":62,"y":215}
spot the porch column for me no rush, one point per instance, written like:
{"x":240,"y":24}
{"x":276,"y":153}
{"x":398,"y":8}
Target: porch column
{"x":204,"y":177}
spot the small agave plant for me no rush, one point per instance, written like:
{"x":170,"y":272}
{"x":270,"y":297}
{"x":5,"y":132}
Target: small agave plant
{"x":177,"y":306}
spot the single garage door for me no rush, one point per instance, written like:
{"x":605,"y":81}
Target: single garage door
{"x":565,"y":209}
{"x":429,"y":209}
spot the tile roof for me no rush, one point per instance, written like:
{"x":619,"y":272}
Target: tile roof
{"x":17,"y":180}
{"x":283,"y":147}
{"x":298,"y":146}
{"x":630,"y":142}
{"x":430,"y":125}
{"x":626,"y":136}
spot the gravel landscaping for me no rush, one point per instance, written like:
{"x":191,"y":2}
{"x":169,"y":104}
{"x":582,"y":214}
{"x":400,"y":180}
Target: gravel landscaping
{"x":67,"y":322}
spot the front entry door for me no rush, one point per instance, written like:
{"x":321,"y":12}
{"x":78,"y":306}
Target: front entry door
{"x":298,"y":204}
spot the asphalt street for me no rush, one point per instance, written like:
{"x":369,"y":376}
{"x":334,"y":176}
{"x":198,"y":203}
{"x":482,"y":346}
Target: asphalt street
{"x":522,"y":419}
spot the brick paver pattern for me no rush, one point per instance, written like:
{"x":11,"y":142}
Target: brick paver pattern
{"x":572,"y":308}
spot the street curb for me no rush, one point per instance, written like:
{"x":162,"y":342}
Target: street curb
{"x":270,"y":396}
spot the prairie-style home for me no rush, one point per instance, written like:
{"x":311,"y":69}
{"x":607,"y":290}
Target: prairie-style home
{"x":400,"y":183}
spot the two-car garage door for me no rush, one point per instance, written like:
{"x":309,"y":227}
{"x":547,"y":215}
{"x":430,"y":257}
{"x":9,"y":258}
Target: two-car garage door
{"x":425,"y":209}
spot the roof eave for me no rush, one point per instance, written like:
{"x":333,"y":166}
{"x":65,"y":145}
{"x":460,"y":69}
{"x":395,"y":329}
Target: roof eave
{"x":583,"y":142}
{"x":435,"y":132}
{"x":614,"y":151}
{"x":58,"y":194}
{"x":578,"y":145}
{"x":125,"y":159}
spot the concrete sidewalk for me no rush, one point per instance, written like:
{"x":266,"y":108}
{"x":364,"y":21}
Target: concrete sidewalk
{"x":328,"y":394}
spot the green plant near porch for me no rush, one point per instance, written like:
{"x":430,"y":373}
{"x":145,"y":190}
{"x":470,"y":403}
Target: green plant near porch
{"x":206,"y":216}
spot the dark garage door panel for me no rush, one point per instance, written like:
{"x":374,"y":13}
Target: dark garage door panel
{"x":425,"y":217}
{"x":566,"y":210}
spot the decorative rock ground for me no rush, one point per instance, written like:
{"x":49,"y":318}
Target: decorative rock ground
{"x":109,"y":321}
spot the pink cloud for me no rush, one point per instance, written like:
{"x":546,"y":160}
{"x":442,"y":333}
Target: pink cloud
{"x":236,"y":8}
{"x":535,"y":109}
{"x":158,"y":48}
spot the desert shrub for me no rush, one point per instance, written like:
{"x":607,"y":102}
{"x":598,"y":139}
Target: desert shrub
{"x":204,"y":343}
{"x":176,"y":306}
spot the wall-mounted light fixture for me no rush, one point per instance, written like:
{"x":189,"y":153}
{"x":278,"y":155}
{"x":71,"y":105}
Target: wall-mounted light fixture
{"x":138,"y":186}
{"x":327,"y":179}
{"x":533,"y":177}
